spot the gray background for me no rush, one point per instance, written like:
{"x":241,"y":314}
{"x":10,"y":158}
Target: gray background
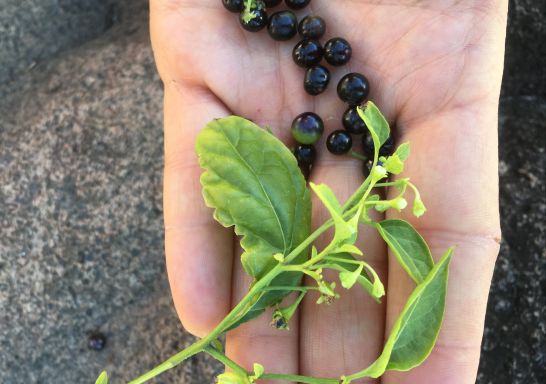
{"x":81,"y":245}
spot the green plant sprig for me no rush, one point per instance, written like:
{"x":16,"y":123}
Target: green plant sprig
{"x":276,"y":245}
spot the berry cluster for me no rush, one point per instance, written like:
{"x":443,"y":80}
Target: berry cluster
{"x":353,"y":88}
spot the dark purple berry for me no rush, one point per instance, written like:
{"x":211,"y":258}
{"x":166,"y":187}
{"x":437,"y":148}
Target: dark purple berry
{"x":312,"y":27}
{"x":307,"y":53}
{"x":282,"y":25}
{"x":297,"y":4}
{"x":96,"y":341}
{"x":339,"y":142}
{"x":337,"y":51}
{"x":305,"y":170}
{"x":353,"y":88}
{"x":307,"y":128}
{"x":271,"y":3}
{"x":234,"y":5}
{"x":305,"y":154}
{"x":352,"y":122}
{"x":258,"y":20}
{"x":316,"y":80}
{"x":386,"y":149}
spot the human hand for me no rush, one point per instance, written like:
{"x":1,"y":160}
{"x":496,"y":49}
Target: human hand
{"x":435,"y":69}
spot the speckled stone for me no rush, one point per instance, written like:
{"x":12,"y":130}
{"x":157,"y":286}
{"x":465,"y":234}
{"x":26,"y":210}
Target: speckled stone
{"x":81,"y":241}
{"x":81,"y":234}
{"x":514,"y":346}
{"x":31,"y":30}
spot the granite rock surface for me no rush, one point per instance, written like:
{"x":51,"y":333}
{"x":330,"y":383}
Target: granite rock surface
{"x":81,"y":247}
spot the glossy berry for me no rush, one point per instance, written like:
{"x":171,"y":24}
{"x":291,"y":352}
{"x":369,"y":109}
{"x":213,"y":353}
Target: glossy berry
{"x":307,"y":53}
{"x":297,"y":4}
{"x":271,"y":3}
{"x":96,"y":341}
{"x":305,"y":154}
{"x":258,"y":21}
{"x":352,"y":122}
{"x":234,"y":5}
{"x":307,"y":128}
{"x":339,"y":142}
{"x":337,"y":51}
{"x":282,"y":25}
{"x":353,"y":88}
{"x":312,"y":27}
{"x":316,"y":80}
{"x":386,"y":149}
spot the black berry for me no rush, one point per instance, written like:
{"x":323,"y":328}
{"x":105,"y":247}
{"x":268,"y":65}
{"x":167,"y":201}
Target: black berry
{"x":305,"y":154}
{"x":297,"y":4}
{"x":305,"y":170}
{"x":307,"y":53}
{"x":96,"y":341}
{"x":353,"y":88}
{"x":282,"y":25}
{"x":316,"y":80}
{"x":312,"y":27}
{"x":339,"y":142}
{"x":352,"y":122}
{"x":234,"y":5}
{"x":271,"y":3}
{"x":256,"y":20}
{"x":337,"y":51}
{"x":386,"y":149}
{"x":307,"y":128}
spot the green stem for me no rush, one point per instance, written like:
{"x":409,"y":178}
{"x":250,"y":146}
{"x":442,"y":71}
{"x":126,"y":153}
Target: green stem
{"x":271,"y":376}
{"x":339,"y":259}
{"x":362,"y":192}
{"x":172,"y":361}
{"x":226,"y":361}
{"x":300,"y":379}
{"x":302,"y":269}
{"x":288,"y":288}
{"x":234,"y":315}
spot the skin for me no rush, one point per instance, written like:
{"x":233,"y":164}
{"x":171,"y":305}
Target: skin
{"x":435,"y":67}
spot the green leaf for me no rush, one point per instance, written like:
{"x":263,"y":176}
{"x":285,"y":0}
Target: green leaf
{"x":345,"y":231}
{"x":253,"y":182}
{"x":376,"y":123}
{"x":103,"y":378}
{"x":349,"y":248}
{"x":408,"y":246}
{"x":403,"y":151}
{"x":415,"y":332}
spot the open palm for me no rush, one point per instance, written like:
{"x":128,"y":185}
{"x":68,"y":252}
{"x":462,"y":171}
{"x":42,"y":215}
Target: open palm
{"x":435,"y":68}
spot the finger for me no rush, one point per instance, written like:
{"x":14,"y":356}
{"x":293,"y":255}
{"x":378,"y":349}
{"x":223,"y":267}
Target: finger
{"x":257,"y":341}
{"x":454,"y":165}
{"x":346,"y":335}
{"x":198,"y":250}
